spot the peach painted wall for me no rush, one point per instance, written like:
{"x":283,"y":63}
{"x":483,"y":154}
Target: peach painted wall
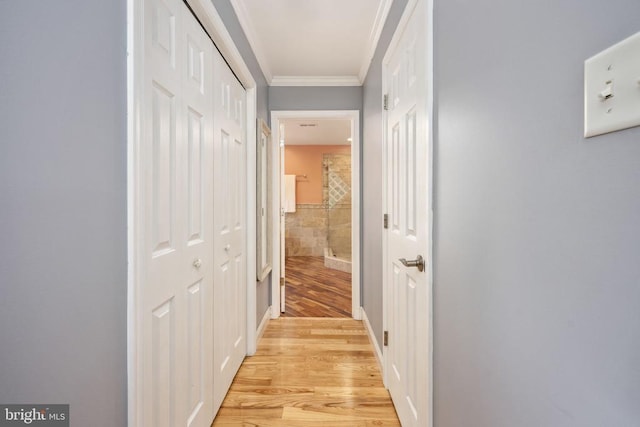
{"x":307,"y":160}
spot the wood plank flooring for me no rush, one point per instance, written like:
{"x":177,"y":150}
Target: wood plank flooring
{"x":313,"y":290}
{"x":309,"y":372}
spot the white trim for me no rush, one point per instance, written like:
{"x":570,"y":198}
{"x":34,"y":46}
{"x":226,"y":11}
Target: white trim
{"x":240,"y":8}
{"x":316,"y":81}
{"x":355,"y":216}
{"x":251,"y":141}
{"x":276,"y":215}
{"x":354,"y":116}
{"x":430,"y":68}
{"x":135,"y":61}
{"x":373,"y":339}
{"x":208,"y":16}
{"x":374,"y":37}
{"x":263,"y":324}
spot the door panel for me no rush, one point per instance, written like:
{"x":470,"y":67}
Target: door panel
{"x":162,"y":366}
{"x":408,"y":290}
{"x":195,"y":167}
{"x":195,"y":313}
{"x":163,"y":169}
{"x":230,"y":229}
{"x":197,"y":87}
{"x":177,"y":159}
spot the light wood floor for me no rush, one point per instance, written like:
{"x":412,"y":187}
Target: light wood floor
{"x":314,"y":290}
{"x":309,"y":373}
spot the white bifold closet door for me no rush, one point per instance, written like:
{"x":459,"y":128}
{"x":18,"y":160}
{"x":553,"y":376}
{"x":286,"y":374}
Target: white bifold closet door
{"x":192,"y":166}
{"x":230,"y":225}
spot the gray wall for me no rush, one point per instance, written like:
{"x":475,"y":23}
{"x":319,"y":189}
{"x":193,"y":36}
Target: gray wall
{"x":372,"y":181}
{"x":228,"y":15}
{"x":315,"y":98}
{"x":63,"y":252}
{"x":537,"y":235}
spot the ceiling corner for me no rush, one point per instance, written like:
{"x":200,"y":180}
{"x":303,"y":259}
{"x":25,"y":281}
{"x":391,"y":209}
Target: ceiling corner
{"x":374,"y":36}
{"x":247,"y":25}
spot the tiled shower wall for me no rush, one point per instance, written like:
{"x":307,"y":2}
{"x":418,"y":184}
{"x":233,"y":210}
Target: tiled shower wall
{"x":337,"y":197}
{"x":306,"y":229}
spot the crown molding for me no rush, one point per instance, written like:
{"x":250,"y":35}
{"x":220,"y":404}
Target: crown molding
{"x":316,"y":81}
{"x":374,"y":36}
{"x":247,"y":25}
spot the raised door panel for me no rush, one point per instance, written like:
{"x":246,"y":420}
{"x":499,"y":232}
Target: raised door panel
{"x":163,"y":17}
{"x":163,"y":369}
{"x":163,"y":170}
{"x":195,"y":171}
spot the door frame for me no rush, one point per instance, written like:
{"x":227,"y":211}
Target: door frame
{"x":428,"y":22}
{"x":214,"y":26}
{"x":354,"y":117}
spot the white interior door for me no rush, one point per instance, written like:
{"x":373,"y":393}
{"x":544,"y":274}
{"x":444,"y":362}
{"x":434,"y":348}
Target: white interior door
{"x":176,"y":294}
{"x":230,"y":276}
{"x":408,"y":175}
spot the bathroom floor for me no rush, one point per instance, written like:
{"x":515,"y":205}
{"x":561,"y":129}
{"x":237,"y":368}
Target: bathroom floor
{"x":314,"y":290}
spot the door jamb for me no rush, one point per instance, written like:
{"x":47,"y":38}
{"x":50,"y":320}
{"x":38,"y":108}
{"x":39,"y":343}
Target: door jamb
{"x":213,"y":24}
{"x":354,"y":117}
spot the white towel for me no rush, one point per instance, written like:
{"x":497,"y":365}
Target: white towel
{"x":289,"y":193}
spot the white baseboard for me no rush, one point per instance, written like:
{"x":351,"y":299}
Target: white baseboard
{"x":372,"y":338}
{"x":263,"y":324}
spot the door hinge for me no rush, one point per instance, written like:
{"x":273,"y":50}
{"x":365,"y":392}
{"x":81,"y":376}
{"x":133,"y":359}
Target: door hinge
{"x":385,"y":221}
{"x":385,"y":339}
{"x":282,"y":282}
{"x":385,"y":101}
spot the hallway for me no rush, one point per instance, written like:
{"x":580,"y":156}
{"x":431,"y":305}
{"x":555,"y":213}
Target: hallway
{"x":309,"y":372}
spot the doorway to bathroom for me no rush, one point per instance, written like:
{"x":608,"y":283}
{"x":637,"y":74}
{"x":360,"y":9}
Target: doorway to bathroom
{"x":319,"y":215}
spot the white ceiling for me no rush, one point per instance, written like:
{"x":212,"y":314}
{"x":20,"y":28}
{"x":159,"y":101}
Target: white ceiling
{"x":313,"y":42}
{"x":316,"y":131}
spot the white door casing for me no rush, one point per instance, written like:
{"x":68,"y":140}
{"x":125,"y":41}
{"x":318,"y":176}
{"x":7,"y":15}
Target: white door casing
{"x":230,"y":228}
{"x":278,"y":295}
{"x":408,"y":148}
{"x":283,"y":223}
{"x":281,"y":196}
{"x":176,"y":152}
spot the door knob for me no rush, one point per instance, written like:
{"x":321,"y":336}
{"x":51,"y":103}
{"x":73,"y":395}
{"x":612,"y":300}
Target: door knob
{"x":227,"y":248}
{"x":418,"y":262}
{"x":197,"y":263}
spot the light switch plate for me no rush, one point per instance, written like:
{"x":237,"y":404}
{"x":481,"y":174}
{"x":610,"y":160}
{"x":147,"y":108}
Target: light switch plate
{"x":612,"y":88}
